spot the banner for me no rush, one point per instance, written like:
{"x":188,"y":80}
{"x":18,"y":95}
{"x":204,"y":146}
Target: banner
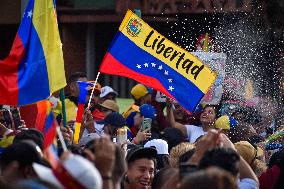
{"x":216,"y":61}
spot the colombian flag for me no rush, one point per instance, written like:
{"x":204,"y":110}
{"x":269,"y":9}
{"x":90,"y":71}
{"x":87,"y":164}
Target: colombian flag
{"x":34,"y":68}
{"x":141,"y":53}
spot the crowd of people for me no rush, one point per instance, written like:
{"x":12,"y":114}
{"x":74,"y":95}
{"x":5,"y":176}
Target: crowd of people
{"x":154,"y":143}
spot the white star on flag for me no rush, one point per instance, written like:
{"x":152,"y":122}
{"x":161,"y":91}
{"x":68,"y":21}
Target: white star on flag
{"x":153,"y":64}
{"x":166,"y":72}
{"x":160,"y":67}
{"x":138,"y":66}
{"x":30,"y":13}
{"x":171,"y":88}
{"x":146,"y":65}
{"x":24,"y":14}
{"x":170,"y":80}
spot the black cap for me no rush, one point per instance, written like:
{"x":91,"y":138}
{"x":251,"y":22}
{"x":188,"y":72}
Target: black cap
{"x":173,"y":136}
{"x":140,"y":153}
{"x":25,"y":152}
{"x":115,"y":119}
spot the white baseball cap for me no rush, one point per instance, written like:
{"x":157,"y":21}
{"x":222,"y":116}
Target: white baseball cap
{"x":75,"y":172}
{"x":106,"y":90}
{"x":160,"y":145}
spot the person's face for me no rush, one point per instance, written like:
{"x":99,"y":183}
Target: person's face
{"x":140,"y":173}
{"x":106,"y":111}
{"x":208,"y":116}
{"x":110,"y":96}
{"x":74,"y":88}
{"x":178,"y":112}
{"x":146,"y":99}
{"x":238,"y":116}
{"x":138,"y":118}
{"x":95,"y":97}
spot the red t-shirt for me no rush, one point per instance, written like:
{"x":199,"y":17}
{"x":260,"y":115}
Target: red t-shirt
{"x":268,"y":179}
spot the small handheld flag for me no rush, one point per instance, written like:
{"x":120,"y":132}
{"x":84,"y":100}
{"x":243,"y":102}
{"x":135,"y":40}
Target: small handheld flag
{"x":81,"y":107}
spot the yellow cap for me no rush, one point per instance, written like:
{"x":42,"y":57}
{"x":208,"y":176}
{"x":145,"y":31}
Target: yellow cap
{"x":223,"y":123}
{"x":138,"y":91}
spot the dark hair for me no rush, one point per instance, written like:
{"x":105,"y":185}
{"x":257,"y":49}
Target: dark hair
{"x":31,"y":134}
{"x":224,"y":158}
{"x":75,"y":76}
{"x":212,"y":178}
{"x":24,"y":152}
{"x":162,"y":161}
{"x":144,"y":157}
{"x":243,"y":131}
{"x":33,"y":183}
{"x":215,"y":107}
{"x":276,"y":159}
{"x":162,"y":176}
{"x":173,"y":136}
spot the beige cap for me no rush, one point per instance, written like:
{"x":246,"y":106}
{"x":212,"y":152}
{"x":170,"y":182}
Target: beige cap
{"x":110,"y":104}
{"x":247,"y":151}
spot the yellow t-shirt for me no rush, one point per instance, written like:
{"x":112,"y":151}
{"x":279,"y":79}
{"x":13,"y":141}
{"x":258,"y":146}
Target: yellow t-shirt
{"x":70,"y":107}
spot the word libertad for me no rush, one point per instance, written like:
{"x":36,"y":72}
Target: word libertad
{"x":173,"y":55}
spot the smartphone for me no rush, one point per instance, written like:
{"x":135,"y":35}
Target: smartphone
{"x":16,"y":117}
{"x":146,"y":124}
{"x":5,"y":118}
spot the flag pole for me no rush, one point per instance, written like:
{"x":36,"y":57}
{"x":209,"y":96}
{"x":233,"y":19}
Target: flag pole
{"x":93,"y":89}
{"x":61,"y":139}
{"x":62,"y":98}
{"x":138,"y":13}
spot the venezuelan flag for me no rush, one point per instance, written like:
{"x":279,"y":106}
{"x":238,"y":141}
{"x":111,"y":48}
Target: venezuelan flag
{"x":141,"y":53}
{"x":81,"y":107}
{"x":34,"y":68}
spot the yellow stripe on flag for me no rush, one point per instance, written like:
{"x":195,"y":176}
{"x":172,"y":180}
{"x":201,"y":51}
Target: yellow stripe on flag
{"x":77,"y":132}
{"x":45,"y":23}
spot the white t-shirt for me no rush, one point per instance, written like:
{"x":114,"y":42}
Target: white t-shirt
{"x":194,"y":132}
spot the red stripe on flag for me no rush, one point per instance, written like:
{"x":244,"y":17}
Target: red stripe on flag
{"x":80,"y":112}
{"x":112,"y":66}
{"x":9,"y":73}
